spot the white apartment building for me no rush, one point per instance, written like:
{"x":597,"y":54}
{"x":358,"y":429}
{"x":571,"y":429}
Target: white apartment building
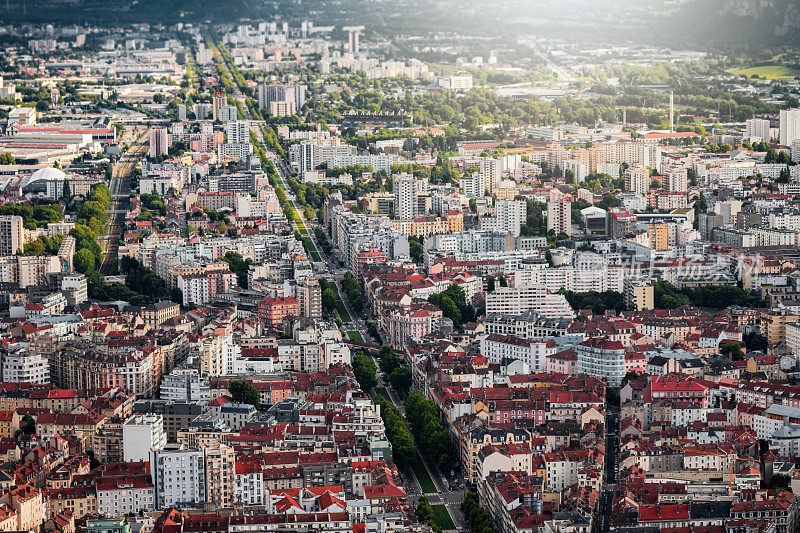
{"x":119,"y":496}
{"x":142,"y":434}
{"x":602,"y":359}
{"x":509,"y":216}
{"x":600,"y":279}
{"x":159,"y":142}
{"x":517,"y":300}
{"x":502,"y":349}
{"x":249,"y":484}
{"x":634,"y":153}
{"x":637,"y":180}
{"x":11,"y":235}
{"x":579,"y":169}
{"x":490,"y":169}
{"x":757,"y":129}
{"x":179,"y":476}
{"x":473,"y":185}
{"x":405,"y":189}
{"x":185,"y":385}
{"x":773,"y":418}
{"x":24,"y":366}
{"x":559,"y":216}
{"x":789,"y":126}
{"x":76,"y":287}
{"x":238,"y":132}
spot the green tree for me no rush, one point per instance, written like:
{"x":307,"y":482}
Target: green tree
{"x":28,"y":424}
{"x":416,"y":251}
{"x":244,"y":392}
{"x":84,"y":260}
{"x":364,"y":370}
{"x":238,"y":266}
{"x":732,"y":350}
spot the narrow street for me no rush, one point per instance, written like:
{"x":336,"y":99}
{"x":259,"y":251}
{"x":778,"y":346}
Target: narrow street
{"x":451,"y":499}
{"x":603,"y":522}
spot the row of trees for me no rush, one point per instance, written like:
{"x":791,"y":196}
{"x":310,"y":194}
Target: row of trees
{"x":352,"y":288}
{"x":598,"y":302}
{"x":329,"y":295}
{"x":399,"y":375}
{"x":476,"y":517}
{"x":322,"y":241}
{"x":44,"y":245}
{"x":34,"y":215}
{"x":667,"y":296}
{"x":425,"y":514}
{"x":404,"y":451}
{"x":433,"y":436}
{"x":364,"y":369}
{"x":142,"y":280}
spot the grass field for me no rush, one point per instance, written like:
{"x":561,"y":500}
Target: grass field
{"x":443,"y":519}
{"x":770,"y":72}
{"x":355,"y":336}
{"x":381,"y":391}
{"x":343,"y":314}
{"x":423,"y":477}
{"x":308,"y":244}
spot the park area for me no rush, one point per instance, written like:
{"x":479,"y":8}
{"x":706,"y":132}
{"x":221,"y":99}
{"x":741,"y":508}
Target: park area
{"x":769,"y":72}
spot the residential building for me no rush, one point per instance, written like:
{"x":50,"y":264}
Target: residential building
{"x":789,"y":126}
{"x":142,"y":434}
{"x":559,"y":216}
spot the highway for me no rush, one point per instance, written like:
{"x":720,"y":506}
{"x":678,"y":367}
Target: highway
{"x":120,"y":189}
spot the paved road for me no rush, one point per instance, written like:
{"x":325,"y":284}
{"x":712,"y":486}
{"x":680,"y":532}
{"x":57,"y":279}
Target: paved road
{"x":120,"y":188}
{"x":237,"y":93}
{"x":444,"y":496}
{"x":603,"y":522}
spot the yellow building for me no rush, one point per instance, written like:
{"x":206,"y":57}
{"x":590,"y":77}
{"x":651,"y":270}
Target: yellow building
{"x":773,"y":324}
{"x":639,"y":295}
{"x":659,"y":235}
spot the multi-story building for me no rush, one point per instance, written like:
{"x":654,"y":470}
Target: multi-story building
{"x":504,"y":349}
{"x":140,"y":435}
{"x":789,"y":126}
{"x":517,"y":300}
{"x":75,"y":288}
{"x":637,"y":180}
{"x":408,"y":323}
{"x":24,"y":365}
{"x":159,"y":142}
{"x":11,"y":235}
{"x":157,"y":313}
{"x":406,"y":188}
{"x":118,"y":496}
{"x":179,"y":476}
{"x":309,"y":297}
{"x":639,"y":295}
{"x":185,"y":384}
{"x":221,"y":476}
{"x":238,"y":132}
{"x":757,"y":129}
{"x":621,"y":223}
{"x":281,"y":93}
{"x":509,"y":216}
{"x":602,"y":359}
{"x":272,"y":311}
{"x":559,"y":216}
